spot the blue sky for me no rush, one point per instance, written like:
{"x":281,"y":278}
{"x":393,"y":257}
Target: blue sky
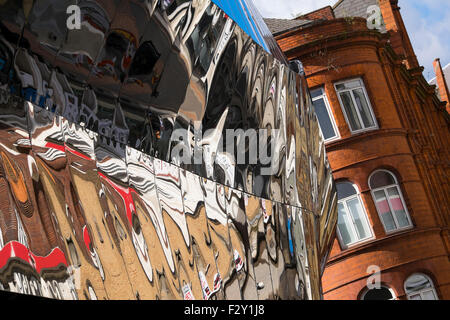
{"x":427,"y":22}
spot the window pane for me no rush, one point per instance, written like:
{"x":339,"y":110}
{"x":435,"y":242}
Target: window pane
{"x":324,"y":119}
{"x":363,"y":108}
{"x":350,"y":111}
{"x":359,"y":218}
{"x":353,"y":84}
{"x":383,"y":209}
{"x":381,"y":179}
{"x":416,"y":283}
{"x":397,"y":206}
{"x":344,"y":225}
{"x":345,"y":190}
{"x":340,"y":87}
{"x":378,"y":294}
{"x":420,"y":287}
{"x":316,"y":93}
{"x":349,"y":85}
{"x":428,"y":295}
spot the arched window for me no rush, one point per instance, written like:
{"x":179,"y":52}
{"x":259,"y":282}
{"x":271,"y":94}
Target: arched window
{"x":420,"y":287}
{"x":389,"y":201}
{"x":353,"y":225}
{"x":383,"y":293}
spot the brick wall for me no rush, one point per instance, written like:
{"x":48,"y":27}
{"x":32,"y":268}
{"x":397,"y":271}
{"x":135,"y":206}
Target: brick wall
{"x":410,"y":142}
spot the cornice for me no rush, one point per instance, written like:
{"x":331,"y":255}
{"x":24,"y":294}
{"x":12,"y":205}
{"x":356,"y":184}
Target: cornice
{"x":357,"y":138}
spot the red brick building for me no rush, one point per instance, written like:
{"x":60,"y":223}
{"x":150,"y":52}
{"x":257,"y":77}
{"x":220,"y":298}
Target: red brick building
{"x":387,"y":138}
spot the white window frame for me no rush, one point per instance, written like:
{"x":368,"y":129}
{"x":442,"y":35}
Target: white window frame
{"x":363,"y":87}
{"x":384,"y":189}
{"x":421,"y":292}
{"x":330,"y":115}
{"x":354,"y":231}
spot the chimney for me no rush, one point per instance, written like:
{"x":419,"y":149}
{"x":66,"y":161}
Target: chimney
{"x":325,"y":13}
{"x":441,"y":83}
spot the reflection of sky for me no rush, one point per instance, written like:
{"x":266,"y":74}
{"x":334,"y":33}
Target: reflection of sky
{"x":427,"y":22}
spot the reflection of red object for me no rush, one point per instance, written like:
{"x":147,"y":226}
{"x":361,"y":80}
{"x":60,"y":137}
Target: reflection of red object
{"x":238,"y":261}
{"x":187,"y":292}
{"x":87,"y":238}
{"x":52,"y":145}
{"x":204,"y":283}
{"x":17,"y":250}
{"x":65,"y":148}
{"x":125,"y":193}
{"x":75,"y":152}
{"x":105,"y":63}
{"x":217,"y":282}
{"x":126,"y":62}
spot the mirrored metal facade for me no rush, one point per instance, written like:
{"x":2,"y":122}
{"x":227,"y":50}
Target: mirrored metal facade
{"x":119,"y":178}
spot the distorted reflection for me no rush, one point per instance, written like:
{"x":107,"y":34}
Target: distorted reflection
{"x":159,"y":151}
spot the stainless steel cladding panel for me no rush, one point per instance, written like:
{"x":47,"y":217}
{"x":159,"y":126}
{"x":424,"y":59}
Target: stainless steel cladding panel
{"x":157,"y":150}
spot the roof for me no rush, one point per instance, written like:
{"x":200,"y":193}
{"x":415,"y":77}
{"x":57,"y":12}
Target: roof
{"x":277,"y":26}
{"x":353,"y":8}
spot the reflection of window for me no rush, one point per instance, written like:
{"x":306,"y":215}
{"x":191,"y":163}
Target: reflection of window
{"x":1,"y":239}
{"x":420,"y":287}
{"x":389,"y":201}
{"x":203,"y":41}
{"x":144,"y":60}
{"x":383,"y":293}
{"x":76,"y":262}
{"x":356,"y":105}
{"x":324,"y":115}
{"x":353,"y":225}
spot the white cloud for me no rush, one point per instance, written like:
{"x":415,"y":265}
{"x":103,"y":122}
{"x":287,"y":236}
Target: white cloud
{"x":429,"y":33}
{"x":286,"y":9}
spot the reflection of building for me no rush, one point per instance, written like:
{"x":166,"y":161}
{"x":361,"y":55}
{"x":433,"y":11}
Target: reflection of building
{"x":101,"y":193}
{"x":387,"y":137}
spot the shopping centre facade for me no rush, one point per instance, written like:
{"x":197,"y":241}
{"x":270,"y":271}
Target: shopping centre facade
{"x":117,"y":179}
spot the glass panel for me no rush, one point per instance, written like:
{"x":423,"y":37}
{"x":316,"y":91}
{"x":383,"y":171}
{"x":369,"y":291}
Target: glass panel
{"x":350,"y":111}
{"x":345,"y":190}
{"x":344,"y":225}
{"x":415,"y":297}
{"x":417,"y":282}
{"x":359,"y":218}
{"x":397,"y":205}
{"x":316,"y":93}
{"x":349,"y":85}
{"x":378,"y":294}
{"x":381,"y":179}
{"x":324,"y":119}
{"x":363,"y":108}
{"x":429,"y":295}
{"x":384,"y":210}
{"x":353,"y":84}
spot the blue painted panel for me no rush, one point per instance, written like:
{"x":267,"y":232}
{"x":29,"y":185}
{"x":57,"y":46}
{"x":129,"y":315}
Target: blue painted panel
{"x":238,"y":10}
